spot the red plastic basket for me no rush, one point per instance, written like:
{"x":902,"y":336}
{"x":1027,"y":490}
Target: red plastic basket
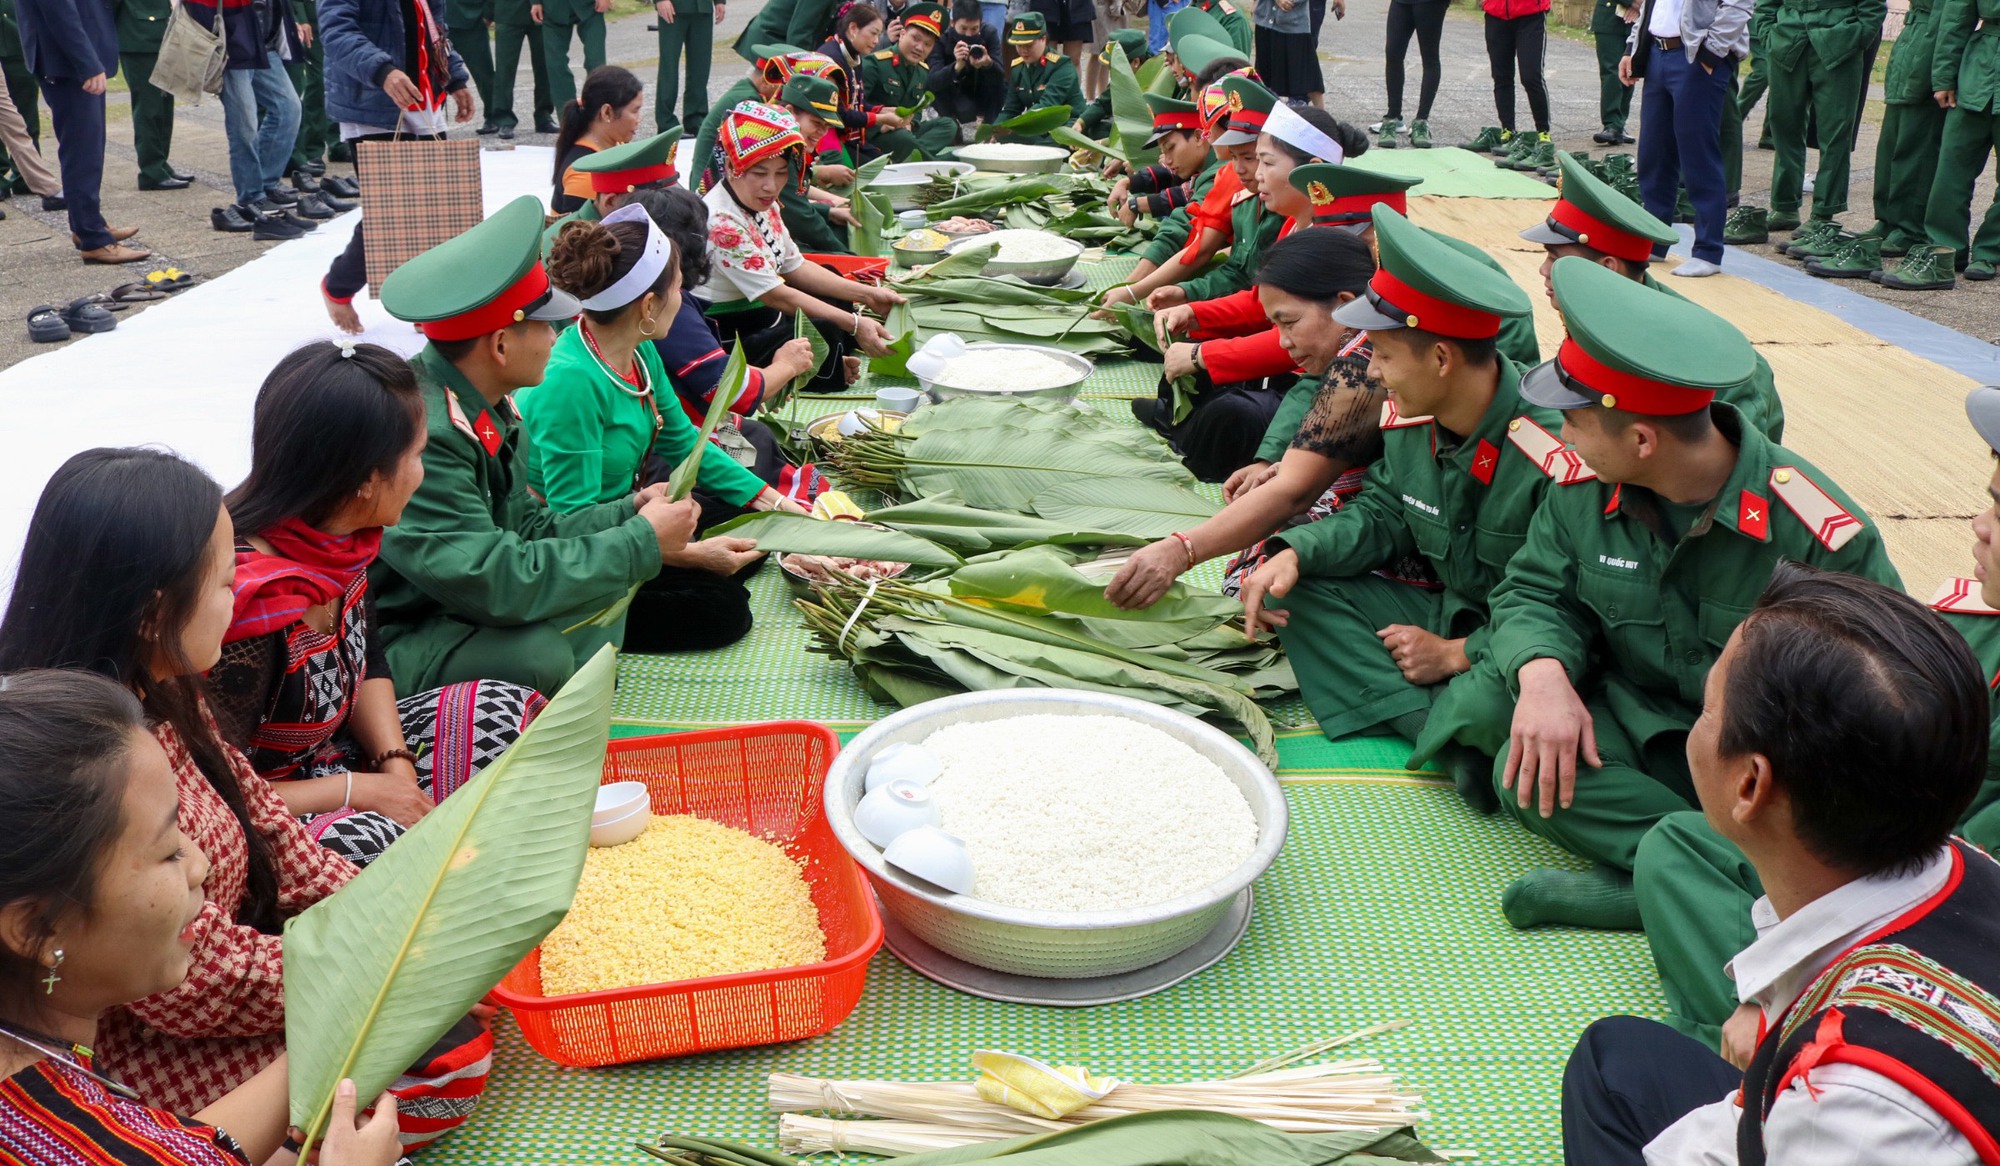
{"x":765,"y":779}
{"x":859,"y":268}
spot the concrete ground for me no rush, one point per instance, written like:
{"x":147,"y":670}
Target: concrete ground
{"x":41,"y":267}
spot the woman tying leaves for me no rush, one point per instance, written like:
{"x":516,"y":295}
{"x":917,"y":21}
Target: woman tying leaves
{"x":100,"y":895}
{"x":605,"y":405}
{"x":760,"y":281}
{"x":302,"y":689}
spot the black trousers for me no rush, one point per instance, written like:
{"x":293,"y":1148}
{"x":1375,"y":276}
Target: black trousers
{"x":1521,"y":41}
{"x":1628,"y":1080}
{"x":1423,"y":19}
{"x":79,"y":119}
{"x":1221,"y":434}
{"x":762,"y":331}
{"x":349,"y":273}
{"x":683,"y":609}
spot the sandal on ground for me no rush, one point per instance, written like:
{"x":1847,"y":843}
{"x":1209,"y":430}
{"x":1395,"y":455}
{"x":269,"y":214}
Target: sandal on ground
{"x":45,"y":325}
{"x":126,"y":294}
{"x":170,"y":279}
{"x":84,"y":316}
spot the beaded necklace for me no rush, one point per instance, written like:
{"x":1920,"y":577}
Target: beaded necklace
{"x":639,"y":383}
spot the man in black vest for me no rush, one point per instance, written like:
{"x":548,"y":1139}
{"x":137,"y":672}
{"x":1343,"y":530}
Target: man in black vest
{"x":1843,"y":732}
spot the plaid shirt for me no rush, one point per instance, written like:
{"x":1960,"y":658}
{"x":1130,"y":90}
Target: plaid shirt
{"x":183,"y":1049}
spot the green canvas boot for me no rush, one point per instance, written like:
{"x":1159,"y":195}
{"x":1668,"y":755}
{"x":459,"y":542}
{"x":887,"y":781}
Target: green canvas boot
{"x":1856,"y":258}
{"x":1485,"y":141}
{"x":1896,"y":245}
{"x":1531,"y":150}
{"x":1783,"y":221}
{"x":1746,"y":224}
{"x":1813,"y":240}
{"x":1420,"y":135}
{"x":1386,"y":140}
{"x":1504,"y":146}
{"x":1629,"y":187}
{"x":1925,"y":268}
{"x":1979,"y":270}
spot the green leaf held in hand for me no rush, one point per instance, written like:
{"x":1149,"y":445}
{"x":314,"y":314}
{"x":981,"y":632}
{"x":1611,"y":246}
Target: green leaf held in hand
{"x":734,"y":375}
{"x":801,"y":534}
{"x":1141,"y":507}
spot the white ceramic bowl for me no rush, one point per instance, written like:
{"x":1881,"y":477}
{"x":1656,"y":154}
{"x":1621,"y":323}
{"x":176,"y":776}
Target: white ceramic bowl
{"x":903,"y":761}
{"x":621,"y":830}
{"x":933,"y":856}
{"x":617,"y":799}
{"x":889,"y":811}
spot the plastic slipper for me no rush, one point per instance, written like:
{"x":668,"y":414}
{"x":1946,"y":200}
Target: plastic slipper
{"x":101,"y":300}
{"x":45,"y":325}
{"x":84,"y":316}
{"x":170,"y":279}
{"x":127,"y":294}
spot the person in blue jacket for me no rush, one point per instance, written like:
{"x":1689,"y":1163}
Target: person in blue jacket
{"x":72,"y":48}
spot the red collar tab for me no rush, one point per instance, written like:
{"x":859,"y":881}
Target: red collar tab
{"x":627,"y":181}
{"x":1599,"y":235}
{"x":1177,"y":119}
{"x":1753,"y":516}
{"x":509,"y":307}
{"x":1484,"y":457}
{"x":488,"y":433}
{"x":1617,"y":492}
{"x":1623,"y":390}
{"x":1419,"y":310}
{"x":1357,"y":208}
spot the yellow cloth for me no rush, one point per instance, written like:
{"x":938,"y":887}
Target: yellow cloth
{"x":1034,"y":1087}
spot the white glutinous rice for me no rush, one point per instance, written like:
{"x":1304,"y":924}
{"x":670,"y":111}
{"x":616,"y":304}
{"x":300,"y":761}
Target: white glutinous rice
{"x":1014,"y":370}
{"x":1087,"y":813}
{"x":1006,"y":152}
{"x":1022,"y":246}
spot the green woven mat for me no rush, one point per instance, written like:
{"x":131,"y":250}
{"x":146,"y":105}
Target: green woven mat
{"x":1384,"y":906}
{"x":1449,"y":172}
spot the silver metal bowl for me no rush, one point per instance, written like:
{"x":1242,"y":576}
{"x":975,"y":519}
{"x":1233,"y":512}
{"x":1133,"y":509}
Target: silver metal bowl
{"x":1045,"y":272}
{"x":1047,"y":159}
{"x":1052,"y":944}
{"x":1065,"y":391}
{"x":902,"y":180}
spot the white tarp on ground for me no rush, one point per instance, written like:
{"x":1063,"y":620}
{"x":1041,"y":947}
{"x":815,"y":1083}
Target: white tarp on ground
{"x":183,"y":374}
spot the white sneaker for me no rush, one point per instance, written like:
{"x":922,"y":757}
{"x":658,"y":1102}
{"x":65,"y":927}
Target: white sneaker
{"x":1697,"y":269}
{"x":1809,"y":184}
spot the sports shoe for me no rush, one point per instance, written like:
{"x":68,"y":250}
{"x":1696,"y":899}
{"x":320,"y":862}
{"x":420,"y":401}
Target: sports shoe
{"x":1925,"y":268}
{"x":311,"y":207}
{"x":1855,"y":258}
{"x":1812,"y":241}
{"x":1746,"y":224}
{"x":1387,"y":139}
{"x":1420,"y":135}
{"x":1697,"y":269}
{"x":264,"y":206}
{"x":1488,"y":138}
{"x":1979,"y":270}
{"x":1783,"y":221}
{"x":269,"y":227}
{"x":1538,"y":154}
{"x":1519,"y":147}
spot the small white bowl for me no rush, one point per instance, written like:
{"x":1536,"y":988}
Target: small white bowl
{"x":893,"y":809}
{"x":934,"y":856}
{"x":617,"y":800}
{"x":902,"y":762}
{"x":619,"y":831}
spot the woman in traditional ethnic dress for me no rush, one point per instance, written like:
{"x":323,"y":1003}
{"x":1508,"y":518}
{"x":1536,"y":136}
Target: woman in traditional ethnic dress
{"x":100,"y":895}
{"x":302,"y":689}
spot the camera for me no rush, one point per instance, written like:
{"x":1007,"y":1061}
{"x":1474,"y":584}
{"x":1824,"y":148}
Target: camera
{"x":978,"y":50}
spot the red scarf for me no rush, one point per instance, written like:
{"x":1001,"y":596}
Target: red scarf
{"x":308,"y":569}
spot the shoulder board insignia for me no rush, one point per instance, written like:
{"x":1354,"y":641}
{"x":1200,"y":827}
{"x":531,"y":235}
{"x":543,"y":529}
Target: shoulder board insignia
{"x":1829,"y":521}
{"x":1394,"y":420}
{"x":513,"y":410}
{"x":456,"y":412}
{"x":1239,"y":196}
{"x":1226,"y":6}
{"x":1547,"y":451}
{"x":885,"y":54}
{"x":1961,"y":597}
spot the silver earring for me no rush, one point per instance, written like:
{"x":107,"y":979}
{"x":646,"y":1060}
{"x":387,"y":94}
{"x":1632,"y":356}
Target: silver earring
{"x":50,"y":981}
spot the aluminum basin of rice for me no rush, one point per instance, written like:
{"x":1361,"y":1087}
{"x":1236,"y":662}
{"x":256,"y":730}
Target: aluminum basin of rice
{"x":1039,"y":257}
{"x":1014,"y":158}
{"x":1028,"y":372}
{"x":902,"y":180}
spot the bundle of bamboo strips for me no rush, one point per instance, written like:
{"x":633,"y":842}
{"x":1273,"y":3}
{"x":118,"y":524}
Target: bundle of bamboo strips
{"x":1323,"y":1098}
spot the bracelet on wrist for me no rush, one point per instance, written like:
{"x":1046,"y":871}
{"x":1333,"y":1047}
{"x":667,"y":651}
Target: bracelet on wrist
{"x":385,"y":756}
{"x":1187,"y":544}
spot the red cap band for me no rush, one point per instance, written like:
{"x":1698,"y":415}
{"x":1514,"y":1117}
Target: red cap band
{"x":1353,"y":208}
{"x":506,"y":308}
{"x":621,"y":181}
{"x":928,"y":22}
{"x":1432,"y":314}
{"x":1599,"y":235}
{"x":1175,"y":119}
{"x":1248,"y":121}
{"x":1624,"y":390}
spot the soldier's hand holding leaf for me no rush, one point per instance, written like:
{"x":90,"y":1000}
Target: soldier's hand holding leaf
{"x":1551,"y":729}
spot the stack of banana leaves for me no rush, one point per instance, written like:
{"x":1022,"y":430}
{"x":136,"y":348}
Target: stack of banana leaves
{"x":1131,"y":119}
{"x":952,"y":296}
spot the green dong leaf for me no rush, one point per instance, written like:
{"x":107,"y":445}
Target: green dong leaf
{"x":800,"y":534}
{"x":1141,"y":507}
{"x":734,"y":375}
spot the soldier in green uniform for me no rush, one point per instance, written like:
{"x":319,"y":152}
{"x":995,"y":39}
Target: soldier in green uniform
{"x":1630,"y":583}
{"x":1695,"y":888}
{"x":560,"y":20}
{"x":1237,"y":30}
{"x":1095,"y":119}
{"x":1252,"y":225}
{"x":685,"y":26}
{"x":786,"y":22}
{"x":1039,"y":78}
{"x":1965,"y":73}
{"x":1608,"y":27}
{"x":1816,"y":66}
{"x":470,"y":24}
{"x":22,"y":88}
{"x":1173,"y":232}
{"x":899,"y":77}
{"x":481,"y":578}
{"x":141,"y":24}
{"x":513,"y":26}
{"x":614,"y":174}
{"x":1463,"y":467}
{"x":316,"y":134}
{"x":1595,"y":222}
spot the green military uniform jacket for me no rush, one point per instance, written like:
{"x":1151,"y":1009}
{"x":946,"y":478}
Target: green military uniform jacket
{"x":787,"y":22}
{"x":1597,"y":588}
{"x":1051,"y":81}
{"x":141,"y":24}
{"x":1252,"y":230}
{"x":587,"y":213}
{"x":1832,"y":30}
{"x":1959,"y":603}
{"x":1967,"y":57}
{"x":1908,"y":79}
{"x":476,"y":547}
{"x":1095,"y":117}
{"x":1465,"y":507}
{"x":1757,"y":398}
{"x":888,"y":79}
{"x":711,"y":126}
{"x":1173,"y":232}
{"x":1242,"y":34}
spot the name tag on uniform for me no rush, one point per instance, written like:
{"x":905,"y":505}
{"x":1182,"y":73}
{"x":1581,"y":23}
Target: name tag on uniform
{"x":1613,"y":561}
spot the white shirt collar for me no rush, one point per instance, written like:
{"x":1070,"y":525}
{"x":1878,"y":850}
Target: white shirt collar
{"x":1789,"y":954}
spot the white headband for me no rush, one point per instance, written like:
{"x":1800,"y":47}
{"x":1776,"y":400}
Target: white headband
{"x":1288,"y":127}
{"x":645,"y":273}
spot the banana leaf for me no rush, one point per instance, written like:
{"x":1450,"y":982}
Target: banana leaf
{"x":923,"y":103}
{"x":942,"y":519}
{"x":872,"y":215}
{"x":1131,"y":118}
{"x":966,"y":262}
{"x":902,"y":344}
{"x":987,"y":289}
{"x":1026,"y":217}
{"x":804,"y":329}
{"x":804,"y":535}
{"x":1067,"y":136}
{"x":1149,"y":509}
{"x":1005,"y":469}
{"x":996,"y":195}
{"x":377,"y":972}
{"x":1033,"y":124}
{"x":1137,"y":321}
{"x":1036,"y":581}
{"x":734,"y":374}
